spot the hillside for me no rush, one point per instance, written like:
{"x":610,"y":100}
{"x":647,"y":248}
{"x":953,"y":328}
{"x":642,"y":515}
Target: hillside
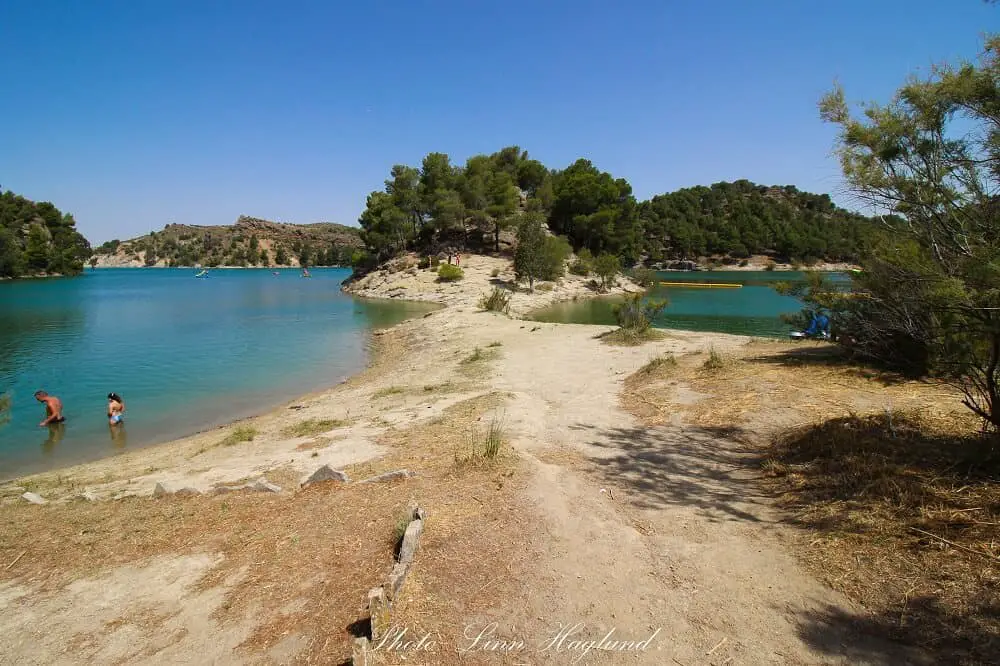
{"x":440,"y":205}
{"x":248,"y":242}
{"x":36,"y":238}
{"x":740,"y":219}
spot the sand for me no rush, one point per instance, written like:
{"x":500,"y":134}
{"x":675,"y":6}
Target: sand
{"x":641,"y":529}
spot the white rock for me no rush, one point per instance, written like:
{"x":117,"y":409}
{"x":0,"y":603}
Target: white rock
{"x":34,"y":498}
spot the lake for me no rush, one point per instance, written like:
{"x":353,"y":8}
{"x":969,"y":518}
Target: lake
{"x":185,"y":354}
{"x":753,"y":309}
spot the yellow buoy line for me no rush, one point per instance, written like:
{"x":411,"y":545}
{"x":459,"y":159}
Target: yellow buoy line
{"x":719,"y":285}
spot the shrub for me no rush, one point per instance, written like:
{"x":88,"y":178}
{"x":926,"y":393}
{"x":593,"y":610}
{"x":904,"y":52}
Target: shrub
{"x":636,"y":315}
{"x":450,"y":273}
{"x":770,"y":265}
{"x":497,"y":301}
{"x":555,"y":249}
{"x":644,"y":277}
{"x":584,"y":263}
{"x":545,"y":286}
{"x":495,"y":272}
{"x":658,"y":365}
{"x":744,"y":262}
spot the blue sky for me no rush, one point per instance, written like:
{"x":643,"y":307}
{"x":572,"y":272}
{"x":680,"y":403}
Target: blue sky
{"x":132,"y":114}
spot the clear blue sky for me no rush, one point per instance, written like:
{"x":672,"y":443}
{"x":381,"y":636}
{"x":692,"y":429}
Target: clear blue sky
{"x":134,"y":113}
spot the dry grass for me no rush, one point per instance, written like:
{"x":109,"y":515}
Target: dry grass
{"x":877,"y":471}
{"x":336,"y":541}
{"x":902,"y":512}
{"x":387,"y":391}
{"x":311,"y":427}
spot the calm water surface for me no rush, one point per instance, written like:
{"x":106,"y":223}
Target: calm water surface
{"x":184,"y":353}
{"x":753,"y":309}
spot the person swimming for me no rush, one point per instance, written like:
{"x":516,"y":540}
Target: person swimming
{"x":53,"y":408}
{"x":116,"y":409}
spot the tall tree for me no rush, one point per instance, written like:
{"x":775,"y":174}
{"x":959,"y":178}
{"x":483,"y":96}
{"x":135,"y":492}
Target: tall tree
{"x":36,"y":250}
{"x":930,"y":160}
{"x":502,"y":198}
{"x":529,"y":261}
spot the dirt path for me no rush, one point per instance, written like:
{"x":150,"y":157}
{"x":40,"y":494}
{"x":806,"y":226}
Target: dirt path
{"x":652,"y":532}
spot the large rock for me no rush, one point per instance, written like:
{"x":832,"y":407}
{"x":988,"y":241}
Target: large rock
{"x":325,"y":473}
{"x":34,"y":498}
{"x":160,"y":490}
{"x":360,"y":652}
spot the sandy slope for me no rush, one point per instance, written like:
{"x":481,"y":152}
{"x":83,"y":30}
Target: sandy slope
{"x":640,"y":528}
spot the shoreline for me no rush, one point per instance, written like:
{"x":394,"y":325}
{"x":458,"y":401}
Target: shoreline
{"x":169,"y":458}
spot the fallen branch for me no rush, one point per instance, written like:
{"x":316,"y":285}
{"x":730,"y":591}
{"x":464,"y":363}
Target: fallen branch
{"x":23,"y":553}
{"x":717,"y":646}
{"x":957,"y":545}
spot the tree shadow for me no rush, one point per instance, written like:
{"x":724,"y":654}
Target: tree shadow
{"x":711,"y":469}
{"x":827,"y":356}
{"x":911,"y":506}
{"x":884,"y":639}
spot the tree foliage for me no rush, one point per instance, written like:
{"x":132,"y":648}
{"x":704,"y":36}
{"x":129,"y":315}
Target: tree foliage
{"x":930,"y":289}
{"x":441,"y":206}
{"x":38,"y":238}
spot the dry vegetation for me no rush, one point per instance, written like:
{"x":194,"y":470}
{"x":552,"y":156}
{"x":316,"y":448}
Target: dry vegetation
{"x":337,"y":539}
{"x":896,"y":490}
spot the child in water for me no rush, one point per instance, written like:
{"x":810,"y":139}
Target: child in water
{"x":116,"y":409}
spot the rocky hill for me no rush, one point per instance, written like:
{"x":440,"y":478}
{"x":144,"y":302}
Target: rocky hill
{"x":249,"y":242}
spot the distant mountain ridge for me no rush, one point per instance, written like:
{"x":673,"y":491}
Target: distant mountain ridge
{"x":250,"y":241}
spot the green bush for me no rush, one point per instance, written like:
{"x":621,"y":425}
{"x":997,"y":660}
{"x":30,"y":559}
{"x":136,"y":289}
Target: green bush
{"x":450,"y":273}
{"x":636,"y":315}
{"x":607,"y":266}
{"x":644,"y":277}
{"x":555,"y":250}
{"x":545,"y":286}
{"x":584,"y":263}
{"x":497,"y":301}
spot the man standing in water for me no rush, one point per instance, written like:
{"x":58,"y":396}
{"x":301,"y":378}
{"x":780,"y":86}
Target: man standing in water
{"x":53,"y":408}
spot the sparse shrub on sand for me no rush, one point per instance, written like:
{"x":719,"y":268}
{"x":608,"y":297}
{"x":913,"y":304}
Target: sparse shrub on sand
{"x":498,"y":300}
{"x":450,"y":273}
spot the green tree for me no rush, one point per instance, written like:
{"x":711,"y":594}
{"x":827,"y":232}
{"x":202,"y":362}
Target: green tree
{"x":305,"y":254}
{"x":264,"y":259}
{"x":928,"y":159}
{"x":11,"y":257}
{"x":529,"y":260}
{"x":607,"y":266}
{"x":281,"y":256}
{"x":502,"y":198}
{"x":36,"y":251}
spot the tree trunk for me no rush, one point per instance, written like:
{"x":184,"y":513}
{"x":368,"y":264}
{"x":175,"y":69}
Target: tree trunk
{"x":496,"y":236}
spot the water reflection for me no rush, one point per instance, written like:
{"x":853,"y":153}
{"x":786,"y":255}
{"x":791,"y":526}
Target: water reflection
{"x":119,"y":438}
{"x":56,"y":433}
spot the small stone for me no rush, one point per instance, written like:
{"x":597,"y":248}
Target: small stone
{"x":34,"y":498}
{"x":89,"y":496}
{"x":325,"y":473}
{"x":263,"y":486}
{"x":219,"y":490}
{"x":411,"y":539}
{"x":160,"y":490}
{"x":187,"y":492}
{"x":389,"y":476}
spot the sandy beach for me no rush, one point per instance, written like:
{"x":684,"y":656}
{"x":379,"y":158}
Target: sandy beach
{"x":593,"y":514}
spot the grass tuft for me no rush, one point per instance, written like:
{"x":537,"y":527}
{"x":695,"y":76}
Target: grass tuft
{"x":311,"y":427}
{"x":387,"y":391}
{"x":715,"y":361}
{"x":239,"y":435}
{"x":484,"y":444}
{"x":498,"y":300}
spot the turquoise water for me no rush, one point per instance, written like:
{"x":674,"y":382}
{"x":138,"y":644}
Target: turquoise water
{"x":184,"y":353}
{"x":753,"y":309}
